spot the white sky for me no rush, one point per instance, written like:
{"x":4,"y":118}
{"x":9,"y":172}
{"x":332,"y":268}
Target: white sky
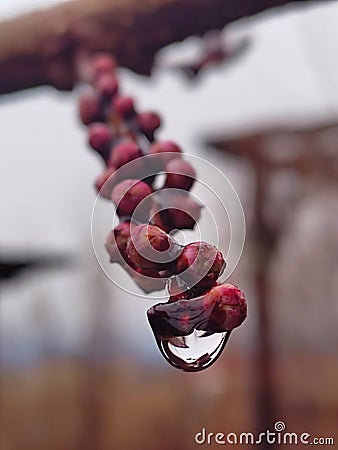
{"x":9,"y":8}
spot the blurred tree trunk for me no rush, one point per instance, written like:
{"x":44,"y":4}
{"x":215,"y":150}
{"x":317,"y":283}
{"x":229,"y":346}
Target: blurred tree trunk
{"x":43,"y":47}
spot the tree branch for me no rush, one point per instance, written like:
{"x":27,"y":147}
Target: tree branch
{"x":41,"y":48}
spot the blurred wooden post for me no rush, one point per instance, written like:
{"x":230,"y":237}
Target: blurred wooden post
{"x":309,"y":155}
{"x":264,"y":239}
{"x":264,"y":245}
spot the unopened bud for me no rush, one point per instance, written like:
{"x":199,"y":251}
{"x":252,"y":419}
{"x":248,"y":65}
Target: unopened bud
{"x":227,"y":306}
{"x":128,"y":194}
{"x":151,"y":248}
{"x":200,"y":264}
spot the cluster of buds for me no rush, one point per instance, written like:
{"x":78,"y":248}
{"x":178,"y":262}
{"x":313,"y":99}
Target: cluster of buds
{"x":143,"y":242}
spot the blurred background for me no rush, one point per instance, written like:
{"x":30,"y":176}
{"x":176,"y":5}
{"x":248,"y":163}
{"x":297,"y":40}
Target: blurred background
{"x":79,"y":365}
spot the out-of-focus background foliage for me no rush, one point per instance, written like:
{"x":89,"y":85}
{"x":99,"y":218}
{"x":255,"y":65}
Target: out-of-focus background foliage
{"x":79,"y":367}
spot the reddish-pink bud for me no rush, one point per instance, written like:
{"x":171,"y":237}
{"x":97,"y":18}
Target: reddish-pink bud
{"x":102,"y":63}
{"x":148,"y":123}
{"x":128,"y":194}
{"x":187,"y":213}
{"x":149,"y":247}
{"x":200,"y":264}
{"x":106,"y":85}
{"x":219,"y":310}
{"x":175,"y":211}
{"x":228,"y":308}
{"x":106,"y":182}
{"x":124,"y":153}
{"x":124,"y":106}
{"x":165,"y":147}
{"x":165,"y":151}
{"x":180,"y":174}
{"x":89,"y":108}
{"x":116,"y":243}
{"x":99,"y":137}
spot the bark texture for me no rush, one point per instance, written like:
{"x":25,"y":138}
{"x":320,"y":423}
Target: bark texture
{"x":42,"y":48}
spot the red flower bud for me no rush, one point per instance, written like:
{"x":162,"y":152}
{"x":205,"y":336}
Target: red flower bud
{"x":148,"y":123}
{"x":149,"y":247}
{"x":124,"y":153}
{"x":89,"y":108}
{"x":175,"y":211}
{"x":186,"y":214}
{"x":106,"y":85}
{"x":124,"y":106}
{"x":165,"y":151}
{"x":116,"y":243}
{"x":200,"y":264}
{"x":220,"y":310}
{"x":99,"y":137}
{"x":228,"y":308}
{"x":128,"y":194}
{"x":102,"y":63}
{"x":180,"y":174}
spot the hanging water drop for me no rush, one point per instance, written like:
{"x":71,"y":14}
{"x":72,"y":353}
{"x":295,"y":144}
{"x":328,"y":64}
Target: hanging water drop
{"x":194,"y":352}
{"x":185,"y":334}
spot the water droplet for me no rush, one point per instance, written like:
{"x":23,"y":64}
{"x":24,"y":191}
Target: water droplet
{"x":194,"y":352}
{"x":183,"y":335}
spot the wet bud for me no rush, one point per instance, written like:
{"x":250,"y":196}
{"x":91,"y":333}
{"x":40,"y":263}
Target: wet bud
{"x":177,"y":318}
{"x":148,"y":123}
{"x":200,"y":264}
{"x":124,"y":106}
{"x":163,"y":152}
{"x":103,"y":63}
{"x":227,"y":306}
{"x":124,"y":153}
{"x":187,"y":218}
{"x":89,"y":108}
{"x":180,"y":174}
{"x":100,"y":137}
{"x":106,"y":85}
{"x":219,"y":310}
{"x":151,"y":248}
{"x":116,"y":243}
{"x":175,"y":211}
{"x":128,"y":194}
{"x":106,"y":182}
